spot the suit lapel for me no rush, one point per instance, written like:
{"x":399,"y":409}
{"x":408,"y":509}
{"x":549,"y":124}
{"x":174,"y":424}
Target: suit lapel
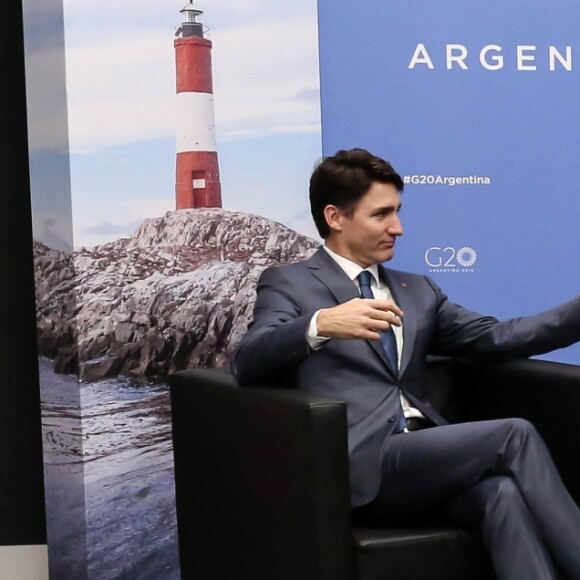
{"x":329,"y":273}
{"x":402,"y":297}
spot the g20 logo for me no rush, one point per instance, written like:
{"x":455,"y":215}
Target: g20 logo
{"x":449,"y":257}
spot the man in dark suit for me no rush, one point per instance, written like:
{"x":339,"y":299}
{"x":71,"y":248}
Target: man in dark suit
{"x":342,"y":325}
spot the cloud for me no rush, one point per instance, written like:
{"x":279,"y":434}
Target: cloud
{"x":94,"y":228}
{"x":255,"y":85}
{"x":120,"y":92}
{"x":256,"y":133}
{"x":106,"y":228}
{"x":147,"y":207}
{"x":121,"y":79}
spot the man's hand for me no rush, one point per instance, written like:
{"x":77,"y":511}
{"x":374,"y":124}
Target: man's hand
{"x":358,"y":318}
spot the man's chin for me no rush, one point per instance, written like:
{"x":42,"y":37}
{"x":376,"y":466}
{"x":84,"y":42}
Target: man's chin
{"x":386,"y":255}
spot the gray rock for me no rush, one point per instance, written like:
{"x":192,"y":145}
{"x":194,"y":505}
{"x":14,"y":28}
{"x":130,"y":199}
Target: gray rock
{"x":177,"y":294}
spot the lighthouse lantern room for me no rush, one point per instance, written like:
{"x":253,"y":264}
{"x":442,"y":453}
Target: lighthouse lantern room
{"x":190,"y":25}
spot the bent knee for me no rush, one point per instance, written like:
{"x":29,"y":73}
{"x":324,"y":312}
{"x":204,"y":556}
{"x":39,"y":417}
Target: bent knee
{"x":504,"y":487}
{"x":521,"y":426}
{"x":498,"y":490}
{"x":502,"y":499}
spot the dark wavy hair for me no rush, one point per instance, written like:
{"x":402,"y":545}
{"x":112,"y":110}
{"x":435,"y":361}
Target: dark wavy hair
{"x":343,"y":179}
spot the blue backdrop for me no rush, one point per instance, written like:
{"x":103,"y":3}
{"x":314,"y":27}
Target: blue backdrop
{"x":477,"y":104}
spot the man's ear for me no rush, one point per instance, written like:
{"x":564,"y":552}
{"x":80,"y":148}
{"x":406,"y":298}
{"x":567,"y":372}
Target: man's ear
{"x":333,"y":217}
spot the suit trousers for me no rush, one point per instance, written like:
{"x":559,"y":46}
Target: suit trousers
{"x":493,"y":476}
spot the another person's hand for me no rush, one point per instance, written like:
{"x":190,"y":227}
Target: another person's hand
{"x":358,"y":318}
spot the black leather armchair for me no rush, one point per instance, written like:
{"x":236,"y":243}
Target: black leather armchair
{"x":261,"y":475}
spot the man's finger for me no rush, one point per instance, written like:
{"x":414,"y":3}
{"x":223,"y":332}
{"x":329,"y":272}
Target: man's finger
{"x":369,"y":334}
{"x":384,"y":305}
{"x":380,"y":325}
{"x":388,"y":316}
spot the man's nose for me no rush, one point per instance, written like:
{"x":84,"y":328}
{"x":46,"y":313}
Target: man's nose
{"x":395,"y":228}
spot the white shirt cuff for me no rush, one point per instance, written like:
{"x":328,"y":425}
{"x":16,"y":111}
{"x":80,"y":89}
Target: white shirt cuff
{"x":315,"y":341}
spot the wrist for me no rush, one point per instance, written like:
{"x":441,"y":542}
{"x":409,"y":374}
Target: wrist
{"x":321,"y":326}
{"x":314,"y":339}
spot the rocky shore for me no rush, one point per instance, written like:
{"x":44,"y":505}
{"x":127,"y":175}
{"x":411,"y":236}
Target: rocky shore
{"x":176,"y":294}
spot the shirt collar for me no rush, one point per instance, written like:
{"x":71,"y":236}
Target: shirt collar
{"x":352,"y":269}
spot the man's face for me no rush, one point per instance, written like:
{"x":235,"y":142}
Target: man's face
{"x":368,"y":236}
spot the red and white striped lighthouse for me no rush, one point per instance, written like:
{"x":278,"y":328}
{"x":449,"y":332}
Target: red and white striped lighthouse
{"x":197,"y":181}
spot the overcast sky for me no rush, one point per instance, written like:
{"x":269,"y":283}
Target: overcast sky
{"x":121,"y":113}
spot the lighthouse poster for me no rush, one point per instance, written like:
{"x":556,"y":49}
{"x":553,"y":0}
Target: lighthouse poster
{"x":192,"y":128}
{"x":122,"y":111}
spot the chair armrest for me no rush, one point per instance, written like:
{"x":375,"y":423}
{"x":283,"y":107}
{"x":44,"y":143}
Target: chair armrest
{"x":261,"y":478}
{"x":545,"y":393}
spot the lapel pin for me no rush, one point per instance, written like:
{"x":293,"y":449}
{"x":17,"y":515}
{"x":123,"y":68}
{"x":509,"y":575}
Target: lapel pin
{"x":404,"y":284}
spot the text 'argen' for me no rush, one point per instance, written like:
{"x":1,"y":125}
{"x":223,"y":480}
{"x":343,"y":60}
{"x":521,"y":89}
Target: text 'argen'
{"x":491,"y":57}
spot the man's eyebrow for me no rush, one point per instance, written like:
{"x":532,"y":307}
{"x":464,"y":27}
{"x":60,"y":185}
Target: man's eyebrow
{"x":387,"y":208}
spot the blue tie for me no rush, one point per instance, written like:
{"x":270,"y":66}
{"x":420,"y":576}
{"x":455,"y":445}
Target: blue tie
{"x":388,"y":336}
{"x":387,"y":340}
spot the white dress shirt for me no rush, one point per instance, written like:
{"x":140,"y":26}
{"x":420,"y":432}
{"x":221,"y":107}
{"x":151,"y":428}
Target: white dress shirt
{"x":381,"y":292}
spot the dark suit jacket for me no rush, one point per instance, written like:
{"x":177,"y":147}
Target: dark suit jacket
{"x":275,"y":349}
